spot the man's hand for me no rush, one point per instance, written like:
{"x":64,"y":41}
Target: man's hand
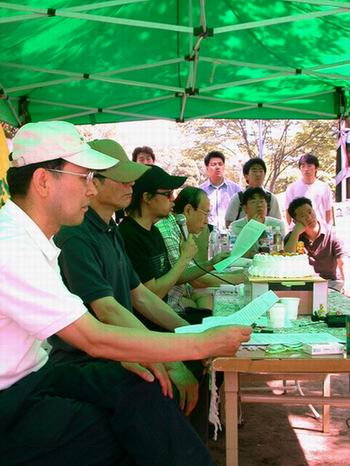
{"x":259,"y":217}
{"x":187,"y":385}
{"x":299,"y":228}
{"x":188,"y":248}
{"x":225,"y":341}
{"x":219,"y":257}
{"x":151,"y":371}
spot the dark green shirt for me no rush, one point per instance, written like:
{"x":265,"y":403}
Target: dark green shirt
{"x":94,"y":263}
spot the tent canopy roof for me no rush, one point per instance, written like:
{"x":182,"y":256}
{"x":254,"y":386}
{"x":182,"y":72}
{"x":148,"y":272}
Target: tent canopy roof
{"x":87,"y":61}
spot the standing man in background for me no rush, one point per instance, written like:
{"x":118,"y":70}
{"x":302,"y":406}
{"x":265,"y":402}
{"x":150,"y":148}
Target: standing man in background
{"x":219,"y":189}
{"x":310,"y":187}
{"x":143,"y":155}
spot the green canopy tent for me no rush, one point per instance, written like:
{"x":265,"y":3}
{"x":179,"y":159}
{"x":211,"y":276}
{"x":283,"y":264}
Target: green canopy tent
{"x":87,"y":62}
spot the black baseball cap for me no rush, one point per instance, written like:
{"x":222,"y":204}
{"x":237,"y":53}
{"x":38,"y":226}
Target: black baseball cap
{"x":156,"y":178}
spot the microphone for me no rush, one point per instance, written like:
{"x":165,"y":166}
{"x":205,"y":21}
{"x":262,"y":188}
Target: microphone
{"x":181,"y":221}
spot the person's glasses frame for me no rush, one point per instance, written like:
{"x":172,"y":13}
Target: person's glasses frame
{"x":202,"y":211}
{"x":88,"y":176}
{"x":167,"y":194}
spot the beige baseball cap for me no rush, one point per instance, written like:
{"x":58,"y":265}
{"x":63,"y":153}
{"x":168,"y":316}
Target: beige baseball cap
{"x":125,"y":170}
{"x":49,"y":140}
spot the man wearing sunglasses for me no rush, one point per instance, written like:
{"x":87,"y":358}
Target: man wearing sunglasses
{"x":97,"y":413}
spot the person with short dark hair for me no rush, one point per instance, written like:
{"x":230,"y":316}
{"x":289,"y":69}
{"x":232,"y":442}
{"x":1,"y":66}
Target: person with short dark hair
{"x":219,"y":189}
{"x":144,"y":155}
{"x":193,"y":205}
{"x":309,"y":186}
{"x":97,"y":413}
{"x":254,"y":171}
{"x":254,"y":201}
{"x":323,"y":248}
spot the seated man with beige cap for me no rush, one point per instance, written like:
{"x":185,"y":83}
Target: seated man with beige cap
{"x":96,"y":414}
{"x":95,"y":266}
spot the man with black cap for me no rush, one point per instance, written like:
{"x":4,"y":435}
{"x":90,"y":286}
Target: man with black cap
{"x":153,"y":200}
{"x":95,"y":266}
{"x":98,"y":413}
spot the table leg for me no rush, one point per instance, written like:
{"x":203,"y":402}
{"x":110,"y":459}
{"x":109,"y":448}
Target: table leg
{"x":231,"y":406}
{"x":326,"y":408}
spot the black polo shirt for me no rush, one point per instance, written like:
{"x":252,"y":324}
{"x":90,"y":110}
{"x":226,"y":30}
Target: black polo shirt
{"x":93,"y":261}
{"x":93,"y":265}
{"x":146,"y":249}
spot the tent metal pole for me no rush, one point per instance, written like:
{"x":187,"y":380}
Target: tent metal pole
{"x":10,"y":106}
{"x":244,"y":82}
{"x":20,"y":7}
{"x":73,"y":115}
{"x":43,"y":84}
{"x":142,"y":116}
{"x":95,"y":6}
{"x":225,"y":112}
{"x":331,"y":116}
{"x":124,"y":22}
{"x":303,"y":96}
{"x":329,"y":65}
{"x":126,"y":82}
{"x":18,"y":18}
{"x":145,"y":66}
{"x":65,"y":13}
{"x":281,"y":20}
{"x":141,"y":102}
{"x":221,"y":61}
{"x":41,"y":70}
{"x":321,"y":3}
{"x":327,"y":75}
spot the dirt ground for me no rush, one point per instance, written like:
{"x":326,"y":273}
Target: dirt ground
{"x":276,"y":435}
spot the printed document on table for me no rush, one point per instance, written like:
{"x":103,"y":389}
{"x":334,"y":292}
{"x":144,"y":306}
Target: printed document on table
{"x":262,"y":339}
{"x":249,"y":235}
{"x":246,"y":316}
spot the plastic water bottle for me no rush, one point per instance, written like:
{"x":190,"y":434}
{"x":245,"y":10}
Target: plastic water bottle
{"x":232,"y":239}
{"x":214,"y":243}
{"x":269,"y":234}
{"x":224,"y":241}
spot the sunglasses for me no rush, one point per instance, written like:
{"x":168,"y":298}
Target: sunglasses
{"x":167,"y":194}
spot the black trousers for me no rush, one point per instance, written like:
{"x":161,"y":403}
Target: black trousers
{"x":94,"y":414}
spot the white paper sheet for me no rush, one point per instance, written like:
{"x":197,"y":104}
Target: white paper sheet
{"x":246,"y":316}
{"x":249,"y":235}
{"x":262,"y":339}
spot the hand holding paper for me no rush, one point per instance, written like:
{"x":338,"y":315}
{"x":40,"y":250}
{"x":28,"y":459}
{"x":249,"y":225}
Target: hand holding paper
{"x":249,"y":235}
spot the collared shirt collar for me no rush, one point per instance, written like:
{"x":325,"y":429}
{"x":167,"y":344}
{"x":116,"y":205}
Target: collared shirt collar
{"x":208,"y":183}
{"x":98,"y":222}
{"x":47,"y":246}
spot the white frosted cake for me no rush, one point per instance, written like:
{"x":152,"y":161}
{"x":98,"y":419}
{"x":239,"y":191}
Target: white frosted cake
{"x":281,"y":266}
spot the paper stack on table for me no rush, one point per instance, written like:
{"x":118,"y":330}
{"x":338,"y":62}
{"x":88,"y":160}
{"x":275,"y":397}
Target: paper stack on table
{"x":246,"y":316}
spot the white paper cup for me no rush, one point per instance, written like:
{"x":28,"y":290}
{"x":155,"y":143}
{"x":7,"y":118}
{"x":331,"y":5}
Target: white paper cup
{"x":277,"y":315}
{"x":292,"y":306}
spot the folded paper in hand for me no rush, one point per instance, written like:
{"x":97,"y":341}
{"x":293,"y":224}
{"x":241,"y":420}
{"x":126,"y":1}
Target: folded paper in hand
{"x":249,"y":235}
{"x":246,"y":316}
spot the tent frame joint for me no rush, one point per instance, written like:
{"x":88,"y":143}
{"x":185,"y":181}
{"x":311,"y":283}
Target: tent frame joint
{"x":51,"y":12}
{"x":199,"y":31}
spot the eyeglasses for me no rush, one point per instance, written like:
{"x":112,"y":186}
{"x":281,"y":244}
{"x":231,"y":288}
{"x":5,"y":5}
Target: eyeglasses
{"x":88,"y":176}
{"x":202,"y":211}
{"x":167,"y":194}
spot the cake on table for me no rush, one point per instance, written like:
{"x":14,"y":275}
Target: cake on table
{"x":281,"y":265}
